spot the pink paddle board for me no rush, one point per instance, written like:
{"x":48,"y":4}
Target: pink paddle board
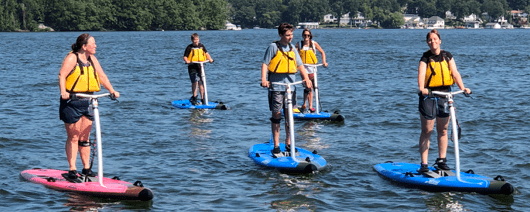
{"x":114,"y":188}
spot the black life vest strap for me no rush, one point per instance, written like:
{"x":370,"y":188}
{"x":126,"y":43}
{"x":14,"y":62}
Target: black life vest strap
{"x":444,"y":55}
{"x":281,"y":49}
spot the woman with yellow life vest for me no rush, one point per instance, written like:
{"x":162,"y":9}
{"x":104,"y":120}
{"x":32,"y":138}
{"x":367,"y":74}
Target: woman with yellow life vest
{"x":436,"y":72}
{"x":307,"y":49}
{"x":196,"y":52}
{"x":80,"y":73}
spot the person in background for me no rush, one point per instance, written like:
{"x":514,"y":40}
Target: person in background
{"x":307,"y":50}
{"x":280,"y":64}
{"x":196,"y":52}
{"x":436,"y":72}
{"x":80,"y":73}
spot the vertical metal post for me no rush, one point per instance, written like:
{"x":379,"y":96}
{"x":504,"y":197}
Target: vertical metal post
{"x":203,"y":76}
{"x":455,"y":136}
{"x":317,"y":100}
{"x":291,"y":121}
{"x":98,"y":140}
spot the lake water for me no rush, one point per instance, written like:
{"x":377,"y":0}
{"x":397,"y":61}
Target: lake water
{"x":197,"y":160}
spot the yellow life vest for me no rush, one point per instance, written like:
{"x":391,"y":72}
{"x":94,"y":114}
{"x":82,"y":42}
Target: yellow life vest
{"x":438,"y":73}
{"x":308,"y":54}
{"x":282,"y":62}
{"x":197,"y":55}
{"x":83,"y":78}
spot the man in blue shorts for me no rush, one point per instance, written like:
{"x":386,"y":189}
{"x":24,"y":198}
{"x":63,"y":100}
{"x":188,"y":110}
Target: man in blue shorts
{"x":280,"y":64}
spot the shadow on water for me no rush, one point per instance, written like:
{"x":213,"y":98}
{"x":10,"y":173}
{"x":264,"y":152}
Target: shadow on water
{"x":82,"y":203}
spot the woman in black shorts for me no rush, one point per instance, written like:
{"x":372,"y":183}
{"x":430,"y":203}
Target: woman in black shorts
{"x":80,"y":73}
{"x":436,"y":72}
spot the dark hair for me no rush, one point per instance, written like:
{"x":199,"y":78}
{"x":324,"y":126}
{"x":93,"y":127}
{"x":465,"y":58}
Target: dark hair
{"x":310,"y":34}
{"x":194,"y":35}
{"x":284,"y":27}
{"x":81,"y":40}
{"x":433,"y":31}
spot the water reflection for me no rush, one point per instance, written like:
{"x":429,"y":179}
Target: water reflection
{"x":83,"y":203}
{"x":309,"y":132}
{"x":198,"y":118}
{"x":298,"y":191}
{"x":446,"y":201}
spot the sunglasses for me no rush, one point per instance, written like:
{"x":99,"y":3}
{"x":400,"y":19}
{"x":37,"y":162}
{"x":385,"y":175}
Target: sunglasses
{"x":306,"y":35}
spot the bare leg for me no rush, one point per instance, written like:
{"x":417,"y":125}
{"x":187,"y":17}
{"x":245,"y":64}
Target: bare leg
{"x":201,"y":90}
{"x":441,"y":129}
{"x":287,"y":130}
{"x":426,"y":131}
{"x":194,"y":88}
{"x":276,"y":128}
{"x":86,"y":126}
{"x":310,"y":98}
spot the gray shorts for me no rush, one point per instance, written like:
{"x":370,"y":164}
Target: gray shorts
{"x":277,"y":100}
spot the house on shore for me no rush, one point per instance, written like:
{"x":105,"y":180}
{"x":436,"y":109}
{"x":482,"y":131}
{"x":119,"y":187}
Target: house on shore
{"x":435,"y":22}
{"x":493,"y":25}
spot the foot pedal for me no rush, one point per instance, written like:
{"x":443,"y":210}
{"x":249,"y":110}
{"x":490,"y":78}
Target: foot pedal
{"x":76,"y":180}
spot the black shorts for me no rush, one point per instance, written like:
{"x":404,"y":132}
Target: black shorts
{"x":71,"y":110}
{"x":194,"y":71}
{"x":432,"y":107}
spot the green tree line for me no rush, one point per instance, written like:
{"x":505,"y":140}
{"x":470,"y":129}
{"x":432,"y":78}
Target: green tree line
{"x":97,"y":15}
{"x":387,"y":13}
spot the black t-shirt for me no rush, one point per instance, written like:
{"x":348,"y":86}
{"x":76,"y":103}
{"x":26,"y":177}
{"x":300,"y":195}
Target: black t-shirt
{"x":437,"y":58}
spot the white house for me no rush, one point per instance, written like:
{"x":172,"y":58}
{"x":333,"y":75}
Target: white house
{"x":506,"y":26}
{"x":329,"y":18}
{"x":435,"y":22}
{"x":344,"y":20}
{"x":493,"y":25}
{"x":469,"y":18}
{"x":412,"y":21}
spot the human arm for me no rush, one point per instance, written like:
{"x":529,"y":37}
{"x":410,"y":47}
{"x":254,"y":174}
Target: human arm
{"x":264,"y":70}
{"x":305,"y":77}
{"x":208,"y":57}
{"x":422,"y":69}
{"x":322,"y":53}
{"x":68,"y":65}
{"x":456,"y":76}
{"x":103,"y":79}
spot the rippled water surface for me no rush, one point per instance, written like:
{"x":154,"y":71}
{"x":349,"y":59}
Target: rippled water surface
{"x":197,"y":160}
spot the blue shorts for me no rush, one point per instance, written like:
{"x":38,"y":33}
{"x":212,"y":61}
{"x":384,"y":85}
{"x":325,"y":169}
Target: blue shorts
{"x":71,"y":110}
{"x":277,"y":100}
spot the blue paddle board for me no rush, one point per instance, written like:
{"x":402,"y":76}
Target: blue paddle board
{"x":439,"y":180}
{"x":322,"y":116}
{"x":186,"y":104}
{"x":306,"y":161}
